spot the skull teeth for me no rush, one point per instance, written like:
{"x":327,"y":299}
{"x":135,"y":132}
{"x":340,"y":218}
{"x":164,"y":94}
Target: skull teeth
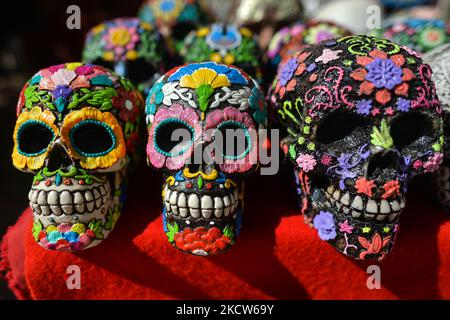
{"x":369,"y":209}
{"x":44,"y":202}
{"x":194,"y":206}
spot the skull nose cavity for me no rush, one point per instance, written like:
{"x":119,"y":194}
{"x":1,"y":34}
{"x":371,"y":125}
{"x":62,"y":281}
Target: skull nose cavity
{"x":58,"y":158}
{"x":382,"y":162}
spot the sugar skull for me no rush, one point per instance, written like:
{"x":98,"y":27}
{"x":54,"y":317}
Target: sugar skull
{"x":224,"y":43}
{"x":203,"y":190}
{"x":77,"y":131}
{"x":130,"y":47}
{"x":299,"y":35}
{"x":362,"y":118}
{"x":420,"y":35}
{"x":174,"y":18}
{"x":439,"y":61}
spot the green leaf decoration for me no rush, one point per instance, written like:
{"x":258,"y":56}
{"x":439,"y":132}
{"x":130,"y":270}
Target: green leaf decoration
{"x":200,"y":182}
{"x":173,"y":230}
{"x":228,"y":232}
{"x":34,"y":96}
{"x":100,"y":98}
{"x":382,"y":137}
{"x":111,"y":219}
{"x":96,"y":226}
{"x":204,"y":91}
{"x":292,"y":152}
{"x":37,"y":228}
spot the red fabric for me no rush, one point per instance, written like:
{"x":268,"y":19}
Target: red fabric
{"x":276,"y":257}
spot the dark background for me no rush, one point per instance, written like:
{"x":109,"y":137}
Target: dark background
{"x":33,"y":36}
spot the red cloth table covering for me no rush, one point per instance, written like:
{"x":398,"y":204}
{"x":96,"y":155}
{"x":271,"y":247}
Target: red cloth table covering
{"x":277,"y":256}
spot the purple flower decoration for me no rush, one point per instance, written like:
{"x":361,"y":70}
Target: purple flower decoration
{"x":288,"y":71}
{"x":384,"y":73}
{"x":324,"y":224}
{"x":403,"y":105}
{"x":311,"y":67}
{"x":364,"y":106}
{"x":346,"y":162}
{"x":62,"y":91}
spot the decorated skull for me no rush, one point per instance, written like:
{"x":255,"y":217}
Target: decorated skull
{"x":439,"y":61}
{"x":362,"y":118}
{"x":77,"y":131}
{"x":421,"y":35}
{"x":130,"y":47}
{"x":174,"y":18}
{"x":224,"y":43}
{"x":289,"y":42}
{"x":203,"y":190}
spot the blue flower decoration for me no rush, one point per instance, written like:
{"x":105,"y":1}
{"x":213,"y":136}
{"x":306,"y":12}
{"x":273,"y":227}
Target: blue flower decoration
{"x":325,"y":226}
{"x":155,"y":97}
{"x":258,"y":104}
{"x":233,"y":75}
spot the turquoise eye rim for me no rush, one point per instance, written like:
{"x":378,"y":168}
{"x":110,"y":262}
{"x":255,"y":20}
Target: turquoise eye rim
{"x":247,"y":137}
{"x":173,"y":120}
{"x":95,"y":122}
{"x":27,"y":124}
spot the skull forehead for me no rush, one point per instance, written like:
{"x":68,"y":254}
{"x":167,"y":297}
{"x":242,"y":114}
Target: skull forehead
{"x":366,"y":76}
{"x":205,"y":87}
{"x":439,"y":61}
{"x":60,"y":89}
{"x":124,"y":39}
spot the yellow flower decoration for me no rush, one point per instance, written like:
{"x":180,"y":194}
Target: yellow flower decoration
{"x":120,"y":36}
{"x":204,"y":76}
{"x":203,"y":32}
{"x":98,"y":29}
{"x":132,"y":55}
{"x":204,"y":81}
{"x":108,"y":56}
{"x":246,"y":32}
{"x":216,"y":57}
{"x":229,"y":59}
{"x":116,"y":153}
{"x":32,"y":161}
{"x":73,"y":65}
{"x":146,"y":26}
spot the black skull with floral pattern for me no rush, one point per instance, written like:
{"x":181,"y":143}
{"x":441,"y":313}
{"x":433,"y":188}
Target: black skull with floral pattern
{"x":362,"y":118}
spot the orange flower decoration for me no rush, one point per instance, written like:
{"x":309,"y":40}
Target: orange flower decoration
{"x":391,"y":189}
{"x":364,"y":186}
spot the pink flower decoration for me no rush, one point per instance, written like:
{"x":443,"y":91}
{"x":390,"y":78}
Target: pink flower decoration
{"x":188,"y":115}
{"x":433,"y":162}
{"x":417,"y":164}
{"x":215,"y":118}
{"x":345,"y":227}
{"x":306,"y":162}
{"x":328,"y":55}
{"x":326,"y":160}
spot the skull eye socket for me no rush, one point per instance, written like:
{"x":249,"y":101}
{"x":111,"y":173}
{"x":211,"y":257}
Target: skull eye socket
{"x":235,"y":140}
{"x":173,"y":137}
{"x":338,"y":126}
{"x":34,"y":137}
{"x":92,"y":138}
{"x":407,"y":128}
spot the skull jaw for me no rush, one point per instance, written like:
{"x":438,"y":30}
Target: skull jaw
{"x":73,"y":217}
{"x":355,"y":233}
{"x":199,"y":222}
